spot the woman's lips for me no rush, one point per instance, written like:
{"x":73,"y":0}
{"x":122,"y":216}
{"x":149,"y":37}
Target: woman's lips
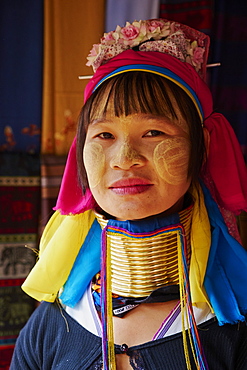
{"x":130,"y":186}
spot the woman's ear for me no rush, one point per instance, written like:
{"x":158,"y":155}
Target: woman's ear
{"x":206,"y":140}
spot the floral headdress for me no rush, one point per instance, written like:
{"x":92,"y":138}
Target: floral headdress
{"x":180,"y":41}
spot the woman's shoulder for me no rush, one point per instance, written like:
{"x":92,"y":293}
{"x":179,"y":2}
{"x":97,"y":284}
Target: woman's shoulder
{"x":46,"y":316}
{"x":50,"y":320}
{"x":51,"y":336}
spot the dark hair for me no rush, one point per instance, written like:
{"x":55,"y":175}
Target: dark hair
{"x":142,"y":92}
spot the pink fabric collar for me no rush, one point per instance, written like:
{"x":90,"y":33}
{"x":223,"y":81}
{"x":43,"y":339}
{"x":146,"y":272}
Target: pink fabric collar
{"x":225,"y":165}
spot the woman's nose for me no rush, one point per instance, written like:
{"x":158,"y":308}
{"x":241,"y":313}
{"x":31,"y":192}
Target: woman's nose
{"x":126,"y":156}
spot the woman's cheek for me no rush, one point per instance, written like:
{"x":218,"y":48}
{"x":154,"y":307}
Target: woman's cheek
{"x":171,"y":159}
{"x":94,"y":161}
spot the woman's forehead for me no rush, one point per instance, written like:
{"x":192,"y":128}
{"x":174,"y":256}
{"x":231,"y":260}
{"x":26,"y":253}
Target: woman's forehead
{"x":106,"y":111}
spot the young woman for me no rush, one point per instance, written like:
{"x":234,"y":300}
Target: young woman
{"x":142,"y":258}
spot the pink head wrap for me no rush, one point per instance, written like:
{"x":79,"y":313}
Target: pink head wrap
{"x":225,"y":171}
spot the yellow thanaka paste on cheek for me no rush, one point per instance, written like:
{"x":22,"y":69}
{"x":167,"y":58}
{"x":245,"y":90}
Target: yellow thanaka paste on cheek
{"x":94,"y":160}
{"x":171,"y":158}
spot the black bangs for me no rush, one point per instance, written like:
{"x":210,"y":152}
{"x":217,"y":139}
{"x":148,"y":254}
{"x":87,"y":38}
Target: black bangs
{"x":133,"y":92}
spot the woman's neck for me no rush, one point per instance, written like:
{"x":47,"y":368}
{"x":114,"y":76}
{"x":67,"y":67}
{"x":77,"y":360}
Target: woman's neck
{"x":144,"y":253}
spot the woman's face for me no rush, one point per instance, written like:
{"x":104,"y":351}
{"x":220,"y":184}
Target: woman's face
{"x":137,"y":165}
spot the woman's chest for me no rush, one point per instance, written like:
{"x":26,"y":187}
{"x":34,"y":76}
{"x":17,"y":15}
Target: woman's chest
{"x":137,"y":327}
{"x":141,"y":324}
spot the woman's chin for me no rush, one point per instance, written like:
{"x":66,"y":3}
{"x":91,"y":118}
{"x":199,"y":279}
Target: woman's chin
{"x":134,"y":212}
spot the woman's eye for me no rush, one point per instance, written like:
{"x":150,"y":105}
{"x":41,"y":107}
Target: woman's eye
{"x":106,"y":135}
{"x":153,"y":133}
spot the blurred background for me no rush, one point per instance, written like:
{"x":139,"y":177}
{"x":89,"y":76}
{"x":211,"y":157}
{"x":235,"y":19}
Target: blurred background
{"x":43,"y":50}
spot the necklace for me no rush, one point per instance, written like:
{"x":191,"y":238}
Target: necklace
{"x":142,"y":262}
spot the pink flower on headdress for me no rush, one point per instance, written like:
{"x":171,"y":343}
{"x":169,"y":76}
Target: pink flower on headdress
{"x":157,"y":29}
{"x":132,"y":34}
{"x":96,"y":56}
{"x":153,"y":24}
{"x":195,"y":55}
{"x":95,"y":50}
{"x":198,"y":56}
{"x":110,"y":38}
{"x":94,"y":53}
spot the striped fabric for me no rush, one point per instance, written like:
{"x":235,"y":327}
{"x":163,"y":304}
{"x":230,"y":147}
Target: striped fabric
{"x":19,"y":214}
{"x":52,"y":168}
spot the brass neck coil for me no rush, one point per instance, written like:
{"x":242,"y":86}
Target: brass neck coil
{"x":139,"y":266}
